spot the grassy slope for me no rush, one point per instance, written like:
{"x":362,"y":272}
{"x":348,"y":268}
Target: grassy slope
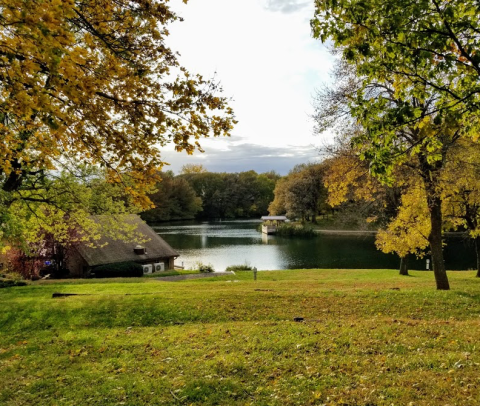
{"x":214,"y":342}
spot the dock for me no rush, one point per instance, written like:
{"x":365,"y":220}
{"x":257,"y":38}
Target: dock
{"x":271,"y":223}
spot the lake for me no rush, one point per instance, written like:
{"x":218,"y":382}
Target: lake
{"x":237,"y":242}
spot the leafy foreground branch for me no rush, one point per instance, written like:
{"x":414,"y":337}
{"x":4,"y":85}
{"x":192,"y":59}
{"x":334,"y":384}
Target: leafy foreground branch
{"x":91,"y":82}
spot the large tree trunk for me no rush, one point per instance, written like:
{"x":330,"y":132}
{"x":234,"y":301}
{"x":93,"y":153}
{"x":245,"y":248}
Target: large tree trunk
{"x":477,"y":250}
{"x":435,"y":240}
{"x":404,"y":265}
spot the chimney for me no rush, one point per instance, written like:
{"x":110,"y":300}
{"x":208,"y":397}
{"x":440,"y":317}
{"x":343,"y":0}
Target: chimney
{"x":139,"y":250}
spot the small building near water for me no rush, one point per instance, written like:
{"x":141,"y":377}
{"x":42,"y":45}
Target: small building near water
{"x":154,"y":254}
{"x":271,"y":223}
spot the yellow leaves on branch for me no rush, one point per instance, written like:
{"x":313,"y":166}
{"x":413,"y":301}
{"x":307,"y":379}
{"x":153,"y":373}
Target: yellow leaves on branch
{"x":408,"y":232}
{"x":95,"y":80}
{"x":461,"y":188}
{"x":347,"y":177}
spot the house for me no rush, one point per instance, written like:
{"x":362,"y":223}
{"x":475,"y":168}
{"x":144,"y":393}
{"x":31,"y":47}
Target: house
{"x":271,"y":223}
{"x":154,"y":254}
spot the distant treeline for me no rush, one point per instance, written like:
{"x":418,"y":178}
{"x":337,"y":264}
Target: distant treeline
{"x":202,"y":194}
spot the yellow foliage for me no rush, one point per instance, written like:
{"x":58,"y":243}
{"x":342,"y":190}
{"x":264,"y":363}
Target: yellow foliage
{"x":461,"y":188}
{"x":408,"y":232}
{"x":347,"y":177}
{"x":95,"y":82}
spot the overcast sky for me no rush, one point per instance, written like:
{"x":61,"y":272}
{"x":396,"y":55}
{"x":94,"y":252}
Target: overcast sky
{"x":263,"y":54}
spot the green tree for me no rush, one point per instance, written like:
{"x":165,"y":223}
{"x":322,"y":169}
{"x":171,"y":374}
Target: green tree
{"x":233,"y":195}
{"x":413,"y":44}
{"x":349,"y":179}
{"x":33,"y":227}
{"x":301,"y":194}
{"x":174,"y":199}
{"x":412,"y":103}
{"x":264,"y":186}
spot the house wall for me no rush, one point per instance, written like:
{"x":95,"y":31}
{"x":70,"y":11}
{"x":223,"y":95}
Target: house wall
{"x":170,"y":263}
{"x":77,"y":266}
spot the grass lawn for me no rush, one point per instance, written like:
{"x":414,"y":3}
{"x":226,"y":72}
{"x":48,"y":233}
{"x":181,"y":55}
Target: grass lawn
{"x":367,"y":338}
{"x":170,"y":273}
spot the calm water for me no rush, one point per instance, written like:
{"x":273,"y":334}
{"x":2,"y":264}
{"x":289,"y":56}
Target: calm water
{"x":237,"y":242}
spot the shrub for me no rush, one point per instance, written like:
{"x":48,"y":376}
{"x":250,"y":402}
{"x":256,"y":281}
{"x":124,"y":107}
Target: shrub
{"x":290,"y":230}
{"x":204,"y":268}
{"x":235,"y":268}
{"x":7,"y":283}
{"x":122,"y":269}
{"x":22,"y":264}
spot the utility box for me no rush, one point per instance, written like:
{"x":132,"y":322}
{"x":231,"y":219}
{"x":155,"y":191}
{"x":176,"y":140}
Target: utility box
{"x":147,"y":269}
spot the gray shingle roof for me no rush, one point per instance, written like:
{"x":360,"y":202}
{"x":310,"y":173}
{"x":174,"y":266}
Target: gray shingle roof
{"x":120,"y":251}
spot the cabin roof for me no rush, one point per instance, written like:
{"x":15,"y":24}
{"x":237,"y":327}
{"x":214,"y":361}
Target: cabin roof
{"x":117,"y":250}
{"x":278,"y":218}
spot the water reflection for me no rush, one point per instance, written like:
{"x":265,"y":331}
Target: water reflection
{"x":238,"y":242}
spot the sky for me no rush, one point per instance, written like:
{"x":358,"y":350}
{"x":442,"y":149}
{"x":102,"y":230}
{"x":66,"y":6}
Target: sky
{"x":262,"y":53}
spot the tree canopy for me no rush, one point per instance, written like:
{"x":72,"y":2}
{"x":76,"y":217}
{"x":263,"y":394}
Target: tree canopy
{"x":95,"y":80}
{"x":89,"y":95}
{"x":174,"y":199}
{"x":417,"y":96}
{"x":424,"y":44}
{"x":301,"y":193}
{"x":232,"y":195}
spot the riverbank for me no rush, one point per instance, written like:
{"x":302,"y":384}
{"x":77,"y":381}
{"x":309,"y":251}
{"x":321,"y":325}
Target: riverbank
{"x":300,"y":337}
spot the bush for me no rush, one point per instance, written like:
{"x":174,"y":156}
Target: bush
{"x":290,"y":230}
{"x":122,"y":269}
{"x":235,"y":268}
{"x":20,"y":263}
{"x":9,"y":279}
{"x":7,"y":283}
{"x":203,"y":268}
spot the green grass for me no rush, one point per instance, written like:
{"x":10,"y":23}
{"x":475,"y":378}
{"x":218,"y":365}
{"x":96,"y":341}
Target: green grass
{"x":170,"y":273}
{"x":368,"y":338}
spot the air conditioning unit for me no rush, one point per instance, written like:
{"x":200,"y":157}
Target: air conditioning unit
{"x":147,"y":268}
{"x":159,"y":267}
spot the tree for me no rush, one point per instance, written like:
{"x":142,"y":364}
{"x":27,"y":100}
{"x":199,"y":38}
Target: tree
{"x":414,"y":112}
{"x":263,"y":187}
{"x":398,"y":151}
{"x":419,"y":44}
{"x":174,"y":199}
{"x":37,"y":230}
{"x":233,"y":195}
{"x":94,"y":80}
{"x":407,"y":232}
{"x":302,"y":193}
{"x":348,"y":181}
{"x":461,"y":192}
{"x":277,"y":206}
{"x":193,"y":168}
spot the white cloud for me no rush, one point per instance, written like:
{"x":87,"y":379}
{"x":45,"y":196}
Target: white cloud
{"x":265,"y":60}
{"x":286,"y":6}
{"x":239,"y":155}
